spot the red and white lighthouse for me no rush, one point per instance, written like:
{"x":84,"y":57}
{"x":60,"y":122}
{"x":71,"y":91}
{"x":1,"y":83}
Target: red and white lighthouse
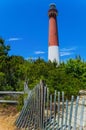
{"x":53,"y":48}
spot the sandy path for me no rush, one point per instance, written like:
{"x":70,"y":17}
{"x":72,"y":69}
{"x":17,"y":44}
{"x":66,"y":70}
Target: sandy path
{"x":7,"y":119}
{"x":7,"y":123}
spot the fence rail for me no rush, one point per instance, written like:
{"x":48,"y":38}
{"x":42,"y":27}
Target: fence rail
{"x":43,"y":111}
{"x":13,"y":93}
{"x":9,"y":101}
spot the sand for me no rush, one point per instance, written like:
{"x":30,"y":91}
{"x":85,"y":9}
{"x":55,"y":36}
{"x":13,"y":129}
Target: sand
{"x":7,"y":118}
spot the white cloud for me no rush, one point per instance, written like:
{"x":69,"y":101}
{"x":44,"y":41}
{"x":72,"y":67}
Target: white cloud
{"x":39,"y":52}
{"x":14,"y":39}
{"x":67,"y":51}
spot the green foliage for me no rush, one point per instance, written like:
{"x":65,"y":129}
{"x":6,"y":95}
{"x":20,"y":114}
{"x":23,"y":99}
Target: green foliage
{"x":3,"y":48}
{"x":2,"y":80}
{"x":69,"y":77}
{"x":21,"y":101}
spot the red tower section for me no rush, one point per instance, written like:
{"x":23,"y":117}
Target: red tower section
{"x":53,"y":33}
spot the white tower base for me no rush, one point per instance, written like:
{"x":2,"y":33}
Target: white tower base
{"x":53,"y":54}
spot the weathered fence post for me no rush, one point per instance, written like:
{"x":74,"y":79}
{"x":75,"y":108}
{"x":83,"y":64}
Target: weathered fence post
{"x":71,"y":111}
{"x":66,"y":115}
{"x":58,"y":112}
{"x":76,"y":111}
{"x":82,"y":114}
{"x":42,"y":88}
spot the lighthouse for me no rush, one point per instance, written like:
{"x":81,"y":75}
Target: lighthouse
{"x":53,"y":42}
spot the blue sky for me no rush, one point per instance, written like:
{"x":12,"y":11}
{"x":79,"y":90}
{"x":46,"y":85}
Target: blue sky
{"x":24,"y":26}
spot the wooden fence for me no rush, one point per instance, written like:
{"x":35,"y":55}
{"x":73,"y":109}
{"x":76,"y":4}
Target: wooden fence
{"x":43,"y":111}
{"x":14,"y":94}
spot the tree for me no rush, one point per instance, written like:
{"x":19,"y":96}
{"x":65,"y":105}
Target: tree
{"x":3,"y":48}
